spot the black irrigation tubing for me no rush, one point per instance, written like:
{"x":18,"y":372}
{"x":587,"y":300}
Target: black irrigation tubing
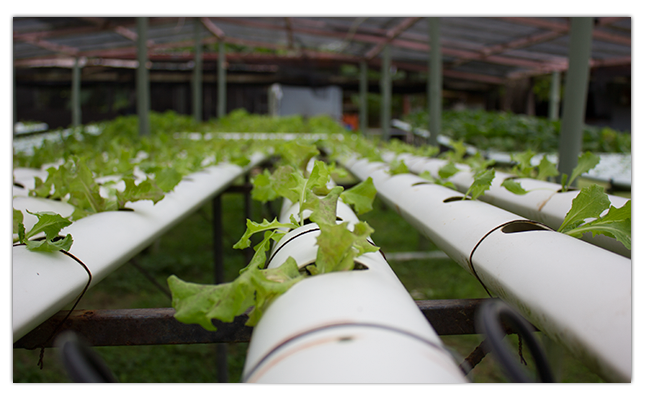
{"x":472,"y":252}
{"x":60,"y":324}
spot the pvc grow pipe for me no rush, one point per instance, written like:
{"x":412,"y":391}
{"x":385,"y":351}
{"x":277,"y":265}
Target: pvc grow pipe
{"x":357,"y":326}
{"x":544,"y":203}
{"x":576,"y":293}
{"x":45,"y":283}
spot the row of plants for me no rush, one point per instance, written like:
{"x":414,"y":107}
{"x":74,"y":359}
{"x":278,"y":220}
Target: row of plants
{"x":504,"y":131}
{"x":74,"y":162}
{"x":591,"y":210}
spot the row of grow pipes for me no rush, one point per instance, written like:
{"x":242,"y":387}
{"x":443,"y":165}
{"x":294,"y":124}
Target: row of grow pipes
{"x":44,"y":283}
{"x":545,"y":201}
{"x":358,"y":326}
{"x":578,"y":294}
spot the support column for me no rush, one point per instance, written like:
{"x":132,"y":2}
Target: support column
{"x":554,"y":96}
{"x":221,"y":81}
{"x":76,"y":94}
{"x":435,"y":81}
{"x":386,"y":93}
{"x":15,"y":108}
{"x":575,"y":94}
{"x":221,"y":349}
{"x":363,"y":99}
{"x":143,"y":84}
{"x":197,"y":73}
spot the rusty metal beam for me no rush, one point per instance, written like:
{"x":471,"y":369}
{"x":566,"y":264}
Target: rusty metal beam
{"x":514,"y":44}
{"x":57,"y":48}
{"x":212,"y":28}
{"x":133,"y":327}
{"x":565,"y":27}
{"x":390,"y":35}
{"x":603,"y":21}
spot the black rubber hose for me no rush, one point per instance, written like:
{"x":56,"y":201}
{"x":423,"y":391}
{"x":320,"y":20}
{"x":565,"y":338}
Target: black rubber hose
{"x":82,"y":364}
{"x":489,"y":320}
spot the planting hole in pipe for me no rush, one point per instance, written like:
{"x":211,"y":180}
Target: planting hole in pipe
{"x":20,"y":185}
{"x":308,"y":221}
{"x":523,"y":226}
{"x":456,"y":198}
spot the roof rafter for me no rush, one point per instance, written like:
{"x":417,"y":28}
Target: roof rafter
{"x":560,"y":27}
{"x":390,"y":35}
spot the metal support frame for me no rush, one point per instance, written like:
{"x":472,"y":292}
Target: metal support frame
{"x":218,"y":258}
{"x":221,"y":80}
{"x":143,"y":83}
{"x":155,"y":326}
{"x":363,"y":98}
{"x":76,"y":94}
{"x":435,"y":82}
{"x":197,"y":74}
{"x":575,"y":94}
{"x":386,"y":93}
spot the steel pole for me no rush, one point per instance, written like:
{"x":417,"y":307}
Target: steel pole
{"x":218,"y":255}
{"x":575,"y":94}
{"x":143,"y":84}
{"x":76,"y":94}
{"x":363,"y":99}
{"x":197,"y":74}
{"x":554,"y":96}
{"x":435,"y":83}
{"x":386,"y":93}
{"x":15,"y":108}
{"x":221,"y":81}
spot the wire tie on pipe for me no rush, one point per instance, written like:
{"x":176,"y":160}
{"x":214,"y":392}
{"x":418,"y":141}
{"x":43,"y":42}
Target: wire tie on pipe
{"x":60,"y":324}
{"x":472,"y":252}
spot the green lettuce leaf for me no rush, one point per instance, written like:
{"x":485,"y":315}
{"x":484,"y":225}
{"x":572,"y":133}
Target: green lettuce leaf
{"x":514,"y":187}
{"x":481,"y":183}
{"x":589,"y":203}
{"x":546,"y":169}
{"x":361,"y":196}
{"x":254,"y":227}
{"x":448,"y":170}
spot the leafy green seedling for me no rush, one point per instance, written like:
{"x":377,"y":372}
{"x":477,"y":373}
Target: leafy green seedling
{"x":48,"y":223}
{"x":590,"y":203}
{"x":397,"y":167}
{"x":586,"y":162}
{"x":481,"y":183}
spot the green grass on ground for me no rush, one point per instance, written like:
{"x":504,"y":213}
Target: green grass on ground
{"x":186,"y":251}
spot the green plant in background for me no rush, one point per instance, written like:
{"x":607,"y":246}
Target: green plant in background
{"x":511,"y":132}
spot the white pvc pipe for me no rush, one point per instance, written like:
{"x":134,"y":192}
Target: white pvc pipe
{"x":544,"y":203}
{"x":576,"y":293}
{"x":45,"y":283}
{"x":357,"y":326}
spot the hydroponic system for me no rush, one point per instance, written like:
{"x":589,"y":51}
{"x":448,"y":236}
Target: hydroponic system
{"x":522,"y":207}
{"x":317,"y":290}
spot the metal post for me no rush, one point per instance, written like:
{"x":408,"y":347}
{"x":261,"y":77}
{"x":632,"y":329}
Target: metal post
{"x":363,"y":99}
{"x":554,"y":96}
{"x":435,"y":83}
{"x":76,"y":94}
{"x":221,"y":81}
{"x":218,"y":256}
{"x":197,"y":74}
{"x":143,"y":85}
{"x":386,"y":93}
{"x":15,"y":108}
{"x":575,"y":94}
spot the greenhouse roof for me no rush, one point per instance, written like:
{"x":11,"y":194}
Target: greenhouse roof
{"x":481,"y":49}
